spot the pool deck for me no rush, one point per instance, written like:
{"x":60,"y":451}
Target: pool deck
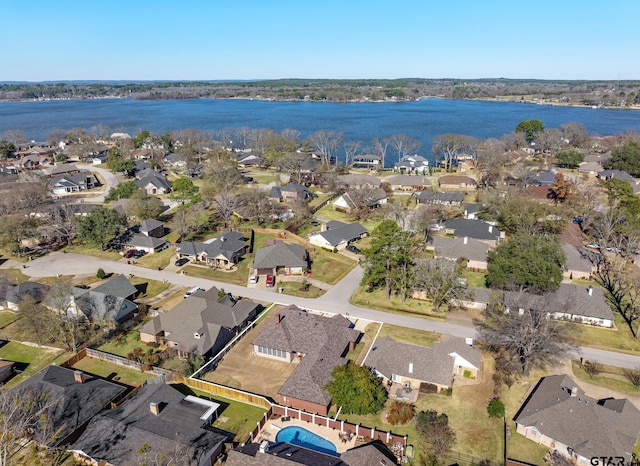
{"x":272,"y":427}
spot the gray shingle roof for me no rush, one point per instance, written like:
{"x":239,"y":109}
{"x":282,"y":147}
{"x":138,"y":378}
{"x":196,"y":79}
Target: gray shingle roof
{"x":119,"y":286}
{"x":409,"y":180}
{"x":321,"y":339}
{"x":117,"y":435}
{"x":98,"y":306}
{"x":280,"y":454}
{"x":226,"y":244}
{"x":150,"y":224}
{"x":336,"y":234}
{"x":34,"y":290}
{"x":434,"y":365}
{"x":590,"y":427}
{"x":157,"y":179}
{"x":372,"y":197}
{"x":281,"y":255}
{"x":429,"y":196}
{"x":77,"y":402}
{"x":473,"y":228}
{"x":455,"y":248}
{"x":148,"y":242}
{"x":575,"y":259}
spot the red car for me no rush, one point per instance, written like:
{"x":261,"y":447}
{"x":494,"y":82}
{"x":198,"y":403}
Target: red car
{"x":270,"y":281}
{"x":130,"y":253}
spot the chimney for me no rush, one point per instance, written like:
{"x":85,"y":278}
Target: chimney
{"x":278,"y":319}
{"x":465,"y":240}
{"x":154,"y":408}
{"x":490,"y":228}
{"x":78,"y":376}
{"x":574,"y":391}
{"x":590,"y":290}
{"x":410,"y":368}
{"x":352,"y":345}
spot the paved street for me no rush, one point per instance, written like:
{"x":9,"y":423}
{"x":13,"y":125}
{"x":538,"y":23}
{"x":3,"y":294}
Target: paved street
{"x":336,"y":300}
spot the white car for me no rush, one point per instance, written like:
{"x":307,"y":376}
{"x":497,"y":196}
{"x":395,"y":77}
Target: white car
{"x":253,"y":279}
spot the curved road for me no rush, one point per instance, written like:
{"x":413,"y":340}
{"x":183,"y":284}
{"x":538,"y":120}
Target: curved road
{"x":110,"y":181}
{"x":336,"y":300}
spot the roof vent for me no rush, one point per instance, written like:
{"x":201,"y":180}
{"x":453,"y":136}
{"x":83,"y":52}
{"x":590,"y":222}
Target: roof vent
{"x":410,"y":368}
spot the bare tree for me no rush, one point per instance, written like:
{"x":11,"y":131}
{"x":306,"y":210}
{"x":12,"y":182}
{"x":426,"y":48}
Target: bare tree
{"x":520,"y":326}
{"x":62,"y":221}
{"x":549,"y":140}
{"x":440,"y":280}
{"x":325,"y":143}
{"x":66,"y":325}
{"x":633,"y":376}
{"x":491,"y":160}
{"x":295,"y":164}
{"x":592,"y":368}
{"x":575,"y":134}
{"x":379,"y":147}
{"x":14,"y":136}
{"x":351,"y":149}
{"x":404,"y":145}
{"x":225,"y":204}
{"x":446,"y":148}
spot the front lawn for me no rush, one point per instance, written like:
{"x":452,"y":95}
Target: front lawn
{"x":239,"y":276}
{"x":378,"y":301}
{"x":31,"y":359}
{"x":329,"y":213}
{"x":93,"y":251}
{"x":611,"y":377}
{"x":329,"y":267}
{"x":157,"y":260}
{"x":112,"y":371}
{"x":235,"y":417}
{"x":6,"y":317}
{"x":409,"y":335}
{"x":148,"y":288}
{"x":294,"y":289}
{"x":620,"y":340}
{"x":13,"y":275}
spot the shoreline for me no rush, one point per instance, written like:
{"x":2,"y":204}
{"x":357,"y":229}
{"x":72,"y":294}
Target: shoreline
{"x":505,"y":99}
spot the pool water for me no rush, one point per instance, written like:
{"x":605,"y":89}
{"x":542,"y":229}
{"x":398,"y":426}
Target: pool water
{"x":303,"y":438}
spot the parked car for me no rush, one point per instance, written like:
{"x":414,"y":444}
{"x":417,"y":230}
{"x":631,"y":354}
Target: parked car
{"x":130,"y":253}
{"x":139,"y":253}
{"x":253,"y":278}
{"x":191,"y":291}
{"x":353,"y":249}
{"x":180,"y":262}
{"x":579,"y":220}
{"x":593,"y":246}
{"x":270,"y":282}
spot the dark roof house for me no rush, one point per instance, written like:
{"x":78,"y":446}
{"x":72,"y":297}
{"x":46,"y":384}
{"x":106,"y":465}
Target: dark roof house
{"x":338,"y":235}
{"x":79,"y":396}
{"x":559,"y":415}
{"x":119,"y":286}
{"x":475,"y":251}
{"x":159,"y":417}
{"x":473,"y":228}
{"x":281,"y":257}
{"x":225,"y":250}
{"x":429,"y":196}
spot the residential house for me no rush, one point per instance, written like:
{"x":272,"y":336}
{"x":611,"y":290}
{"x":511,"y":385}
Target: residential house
{"x":357,"y":181}
{"x":412,"y":183}
{"x":370,"y":161}
{"x":175,"y":160}
{"x":354,"y":199}
{"x":250,"y":160}
{"x":558,"y":414}
{"x":148,"y":244}
{"x":540,"y":178}
{"x":412,"y":164}
{"x":607,"y":175}
{"x":582,"y":304}
{"x":476,"y":229}
{"x":71,"y":183}
{"x":62,"y":169}
{"x":283,"y":454}
{"x":411,"y":365}
{"x":119,"y":286}
{"x":12,"y":295}
{"x":30,"y":162}
{"x":591,"y":168}
{"x":154,"y":183}
{"x":275,"y":194}
{"x":449,"y":198}
{"x":151,"y":227}
{"x":111,"y":301}
{"x":281,"y":258}
{"x":457,"y":181}
{"x":319,"y":343}
{"x":200,"y":324}
{"x":471,"y":249}
{"x":471,"y":210}
{"x":478,"y":298}
{"x":293,"y":192}
{"x":158,"y":420}
{"x":6,"y":370}
{"x":79,"y":397}
{"x":579,"y":263}
{"x":223,"y":251}
{"x":338,"y":235}
{"x":99,"y":159}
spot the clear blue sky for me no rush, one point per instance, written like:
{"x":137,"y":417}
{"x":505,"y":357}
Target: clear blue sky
{"x":269,"y":39}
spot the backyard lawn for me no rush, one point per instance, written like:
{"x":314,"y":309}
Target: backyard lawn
{"x":124,"y":343}
{"x":112,"y":371}
{"x":329,"y":213}
{"x":235,"y":417}
{"x":6,"y":317}
{"x":13,"y":275}
{"x":31,"y":359}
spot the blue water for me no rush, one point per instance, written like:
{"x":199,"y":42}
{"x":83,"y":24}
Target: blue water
{"x":303,"y":438}
{"x":359,"y":122}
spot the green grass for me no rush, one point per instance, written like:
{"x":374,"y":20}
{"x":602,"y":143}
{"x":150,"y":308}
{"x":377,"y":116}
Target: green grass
{"x":378,"y":301}
{"x":523,"y":449}
{"x":124,"y":344}
{"x":329,"y":267}
{"x":329,"y":213}
{"x":13,"y":275}
{"x":318,"y":199}
{"x":35,"y":358}
{"x":263,"y":179}
{"x":293,"y":289}
{"x":409,"y":335}
{"x":157,"y":260}
{"x":474,"y":279}
{"x":149,"y":288}
{"x":611,"y":377}
{"x":93,"y":251}
{"x":112,"y":371}
{"x":241,"y":417}
{"x":6,"y":317}
{"x":620,"y":340}
{"x":239,"y":276}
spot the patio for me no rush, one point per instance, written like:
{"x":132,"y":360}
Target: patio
{"x":402,"y":393}
{"x":271,"y":428}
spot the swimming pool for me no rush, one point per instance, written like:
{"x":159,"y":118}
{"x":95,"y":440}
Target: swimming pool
{"x":303,"y":438}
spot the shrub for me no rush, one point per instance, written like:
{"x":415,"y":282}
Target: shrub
{"x":495,"y":408}
{"x":467,"y":374}
{"x":446,"y":391}
{"x":592,"y":368}
{"x":100,"y":274}
{"x":400,"y":413}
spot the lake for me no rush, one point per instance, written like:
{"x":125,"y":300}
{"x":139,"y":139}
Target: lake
{"x":423,"y":120}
